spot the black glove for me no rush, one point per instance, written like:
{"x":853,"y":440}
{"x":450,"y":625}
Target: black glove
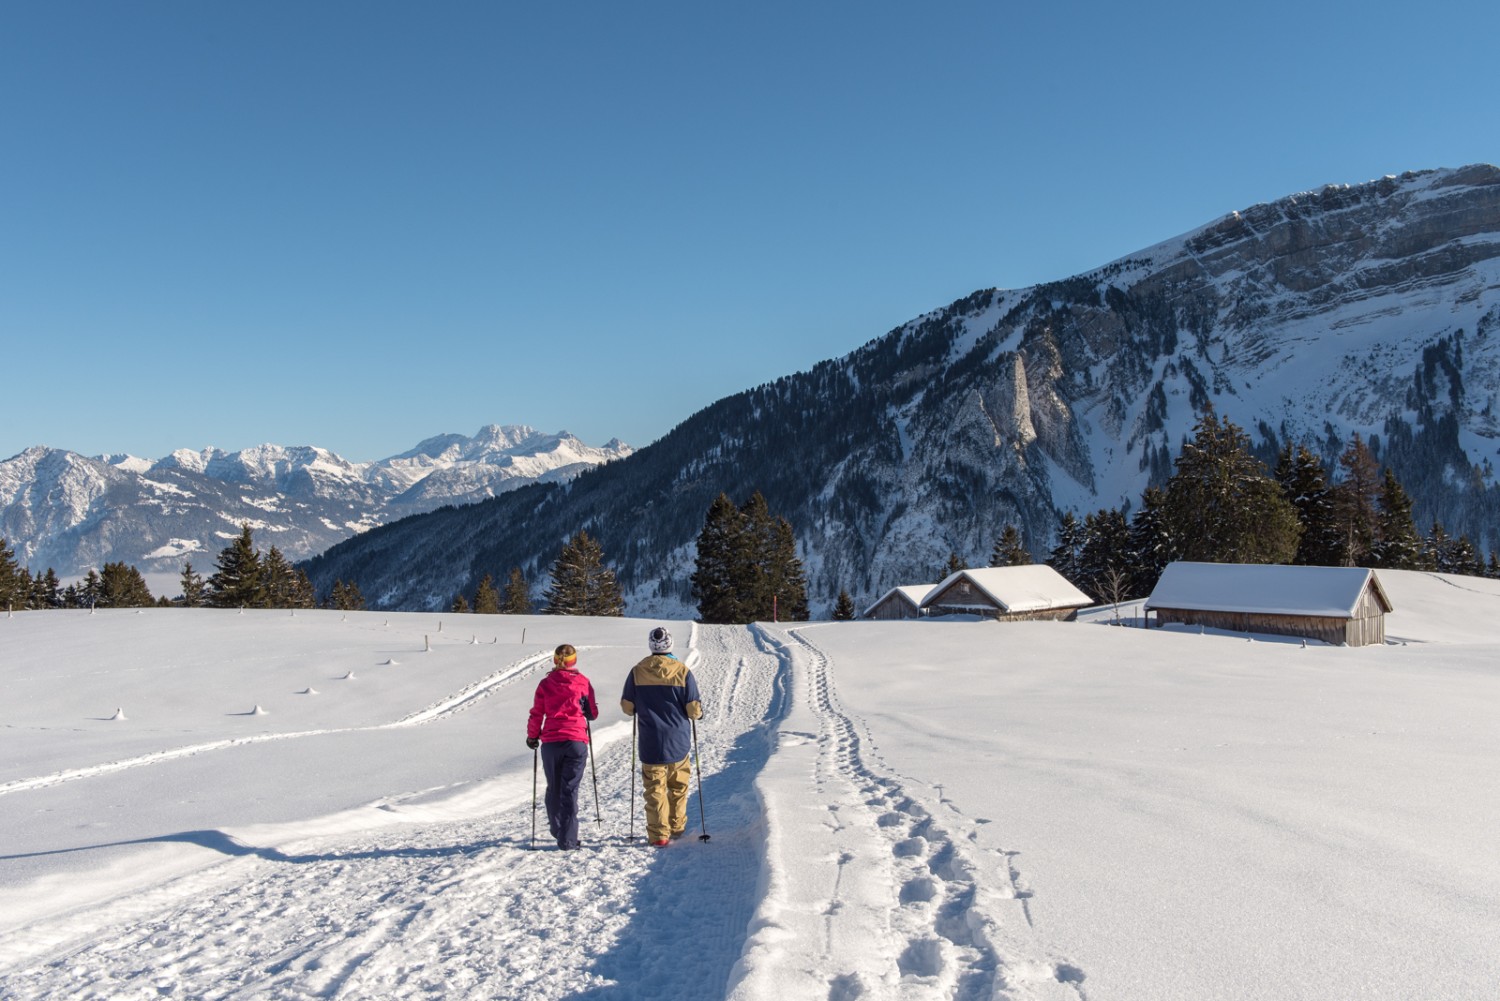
{"x":533,"y":743}
{"x":583,"y":703}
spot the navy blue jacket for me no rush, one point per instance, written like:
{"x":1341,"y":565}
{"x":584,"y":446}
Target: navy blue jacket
{"x":662,"y":695}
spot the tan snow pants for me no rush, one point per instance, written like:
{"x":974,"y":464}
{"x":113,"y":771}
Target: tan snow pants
{"x":666,"y":788}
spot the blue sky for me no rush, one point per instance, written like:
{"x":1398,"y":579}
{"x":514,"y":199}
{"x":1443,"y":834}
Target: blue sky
{"x":360,"y":224}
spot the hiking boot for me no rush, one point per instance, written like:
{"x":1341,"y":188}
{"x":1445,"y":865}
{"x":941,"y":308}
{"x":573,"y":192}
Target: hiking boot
{"x":661,"y":844}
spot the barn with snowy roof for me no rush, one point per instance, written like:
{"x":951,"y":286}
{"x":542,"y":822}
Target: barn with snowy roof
{"x":898,"y":603}
{"x":1340,"y":605}
{"x":1035,"y":591}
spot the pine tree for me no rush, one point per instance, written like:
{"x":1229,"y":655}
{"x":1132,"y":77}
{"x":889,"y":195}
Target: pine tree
{"x":1222,"y":505}
{"x":1400,"y":545}
{"x":516,"y":600}
{"x":843,"y":610}
{"x":785,"y":581}
{"x":11,"y":594}
{"x":122,"y":586}
{"x":304,"y":595}
{"x":1355,"y":500}
{"x":722,"y":571}
{"x":1064,"y":556}
{"x":47,"y":590}
{"x":954,"y":565}
{"x":1009,"y":550}
{"x":346,"y":597}
{"x":581,"y":583}
{"x":1152,"y":545}
{"x":237,"y":581}
{"x":486,"y":598}
{"x":1303,"y":482}
{"x":194,"y":591}
{"x":1104,"y":559}
{"x":460,"y":605}
{"x":280,"y":581}
{"x":91,"y":589}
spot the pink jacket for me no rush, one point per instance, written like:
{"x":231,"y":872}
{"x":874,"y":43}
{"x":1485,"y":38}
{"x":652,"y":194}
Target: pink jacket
{"x":555,"y":712}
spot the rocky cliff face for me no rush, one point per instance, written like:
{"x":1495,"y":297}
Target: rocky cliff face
{"x":69,"y":512}
{"x":1370,"y":309}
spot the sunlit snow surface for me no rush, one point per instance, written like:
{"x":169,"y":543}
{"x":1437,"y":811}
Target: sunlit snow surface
{"x":897,"y":810}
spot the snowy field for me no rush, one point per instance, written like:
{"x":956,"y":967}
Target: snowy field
{"x":897,"y":810}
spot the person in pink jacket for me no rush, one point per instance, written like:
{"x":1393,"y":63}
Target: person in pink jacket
{"x":563,"y":704}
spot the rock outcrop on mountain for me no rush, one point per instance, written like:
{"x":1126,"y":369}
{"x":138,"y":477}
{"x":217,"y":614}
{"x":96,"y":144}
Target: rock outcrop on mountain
{"x":70,"y":512}
{"x":1372,"y":308}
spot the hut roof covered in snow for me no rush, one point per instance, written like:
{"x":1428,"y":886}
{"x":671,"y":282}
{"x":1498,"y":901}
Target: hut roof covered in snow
{"x":911,"y":594}
{"x":1261,"y":589}
{"x":1032,"y":588}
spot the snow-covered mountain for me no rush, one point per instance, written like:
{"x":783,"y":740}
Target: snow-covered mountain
{"x":70,"y":512}
{"x":1372,"y":308}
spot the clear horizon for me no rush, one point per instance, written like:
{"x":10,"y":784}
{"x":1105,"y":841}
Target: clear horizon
{"x":358,"y":226}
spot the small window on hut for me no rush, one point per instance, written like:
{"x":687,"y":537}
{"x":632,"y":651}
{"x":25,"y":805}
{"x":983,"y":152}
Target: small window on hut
{"x":963,"y":588}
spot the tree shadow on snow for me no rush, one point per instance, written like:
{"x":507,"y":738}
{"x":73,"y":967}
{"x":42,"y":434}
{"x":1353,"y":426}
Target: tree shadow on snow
{"x":228,"y":844}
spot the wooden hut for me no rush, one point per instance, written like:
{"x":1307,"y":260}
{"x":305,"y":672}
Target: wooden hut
{"x":1334,"y":604}
{"x":1008,"y":593}
{"x":898,"y":603}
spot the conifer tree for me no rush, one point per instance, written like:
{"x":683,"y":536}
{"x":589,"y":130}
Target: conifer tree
{"x":723,"y":567}
{"x":1399,"y":545}
{"x":1009,"y":550}
{"x":194,"y":591}
{"x":305,"y":595}
{"x":11,"y":595}
{"x":581,"y":583}
{"x":279,"y":588}
{"x":954,"y":565}
{"x":460,"y":605}
{"x":1064,"y":556}
{"x":486,"y":598}
{"x":1355,"y":501}
{"x":90,"y":590}
{"x":346,"y":597}
{"x":1151,"y":545}
{"x":785,"y":597}
{"x":122,"y":586}
{"x":516,"y":599}
{"x":237,"y":581}
{"x":1221,"y":504}
{"x":47,"y":590}
{"x":1303,"y":482}
{"x":1104,"y":559}
{"x":843,"y":609}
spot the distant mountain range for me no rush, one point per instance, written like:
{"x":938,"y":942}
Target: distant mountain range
{"x":1372,"y":308}
{"x":63,"y":510}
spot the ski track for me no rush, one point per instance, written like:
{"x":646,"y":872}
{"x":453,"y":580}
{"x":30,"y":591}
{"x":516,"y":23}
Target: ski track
{"x":447,"y":706}
{"x":454,"y":908}
{"x":952,"y":921}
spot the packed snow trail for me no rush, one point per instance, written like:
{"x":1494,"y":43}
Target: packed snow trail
{"x":454,"y":908}
{"x":875,"y":887}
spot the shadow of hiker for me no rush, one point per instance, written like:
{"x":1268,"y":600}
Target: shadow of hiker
{"x":692,"y":909}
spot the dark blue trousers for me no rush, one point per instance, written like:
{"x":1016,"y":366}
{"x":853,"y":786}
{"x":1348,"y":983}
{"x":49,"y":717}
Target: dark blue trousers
{"x":563,"y":762}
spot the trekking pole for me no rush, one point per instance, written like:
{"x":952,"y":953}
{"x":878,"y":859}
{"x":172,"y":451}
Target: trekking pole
{"x":535,"y":752}
{"x":583,"y":701}
{"x":632,"y":778}
{"x":698,"y":767}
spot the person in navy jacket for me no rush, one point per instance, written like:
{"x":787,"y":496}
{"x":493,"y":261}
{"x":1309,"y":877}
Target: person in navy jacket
{"x":563,"y":704}
{"x":662,"y":695}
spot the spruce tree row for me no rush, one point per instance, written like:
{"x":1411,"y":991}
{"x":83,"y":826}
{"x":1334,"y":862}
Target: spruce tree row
{"x":116,"y":585}
{"x":514,"y":600}
{"x":1222,"y":505}
{"x":747,"y":568}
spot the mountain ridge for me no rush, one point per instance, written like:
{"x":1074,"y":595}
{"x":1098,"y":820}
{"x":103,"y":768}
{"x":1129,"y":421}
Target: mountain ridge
{"x":1349,"y":309}
{"x":68,"y":511}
